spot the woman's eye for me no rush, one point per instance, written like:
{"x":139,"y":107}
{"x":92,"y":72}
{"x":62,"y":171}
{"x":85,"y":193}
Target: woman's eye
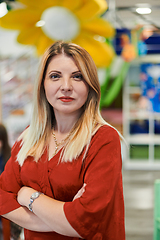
{"x":54,"y":76}
{"x":78,"y":77}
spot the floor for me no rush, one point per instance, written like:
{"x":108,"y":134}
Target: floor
{"x":138,"y":194}
{"x":139,"y":197}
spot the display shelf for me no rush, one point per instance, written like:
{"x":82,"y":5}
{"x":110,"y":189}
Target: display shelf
{"x":143,"y":115}
{"x":143,"y":139}
{"x":133,"y":90}
{"x":139,"y":127}
{"x":141,"y":165}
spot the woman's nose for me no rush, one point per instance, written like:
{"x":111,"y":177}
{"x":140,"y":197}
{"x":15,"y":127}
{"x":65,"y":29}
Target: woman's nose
{"x":66,"y":84}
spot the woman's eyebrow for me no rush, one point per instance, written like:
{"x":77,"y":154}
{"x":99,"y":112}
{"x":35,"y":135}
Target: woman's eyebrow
{"x":54,"y":71}
{"x":76,"y":72}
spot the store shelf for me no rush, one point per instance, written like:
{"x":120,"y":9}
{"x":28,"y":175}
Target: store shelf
{"x":133,"y":90}
{"x":143,"y":142}
{"x":142,"y":139}
{"x":142,"y":165}
{"x":143,"y":115}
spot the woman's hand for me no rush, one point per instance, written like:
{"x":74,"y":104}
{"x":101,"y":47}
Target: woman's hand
{"x":80,"y":192}
{"x":24,"y":194}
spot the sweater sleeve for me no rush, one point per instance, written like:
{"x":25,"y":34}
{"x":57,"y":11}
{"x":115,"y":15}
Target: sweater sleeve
{"x":99,"y":212}
{"x":10,"y":183}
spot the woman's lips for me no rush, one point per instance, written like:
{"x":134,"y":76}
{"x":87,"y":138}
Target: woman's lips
{"x":66,"y":99}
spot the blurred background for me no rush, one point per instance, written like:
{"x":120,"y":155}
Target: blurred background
{"x":123,"y":37}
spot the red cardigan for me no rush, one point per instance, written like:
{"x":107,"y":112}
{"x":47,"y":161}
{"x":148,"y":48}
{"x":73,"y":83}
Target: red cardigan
{"x":99,"y":213}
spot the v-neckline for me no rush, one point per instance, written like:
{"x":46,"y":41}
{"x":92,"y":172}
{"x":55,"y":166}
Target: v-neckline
{"x":58,"y":153}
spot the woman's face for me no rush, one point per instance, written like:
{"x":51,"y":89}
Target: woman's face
{"x":64,"y":86}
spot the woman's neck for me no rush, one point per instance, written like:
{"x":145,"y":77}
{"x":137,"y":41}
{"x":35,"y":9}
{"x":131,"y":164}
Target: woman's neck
{"x":65,"y":123}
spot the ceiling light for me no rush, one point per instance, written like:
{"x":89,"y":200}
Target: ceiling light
{"x":3,"y":9}
{"x":144,"y":10}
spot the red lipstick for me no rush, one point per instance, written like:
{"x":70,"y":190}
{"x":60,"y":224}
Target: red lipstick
{"x":66,"y":99}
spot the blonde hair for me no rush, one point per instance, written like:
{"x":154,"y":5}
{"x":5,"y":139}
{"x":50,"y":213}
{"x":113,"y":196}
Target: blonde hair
{"x":35,"y":137}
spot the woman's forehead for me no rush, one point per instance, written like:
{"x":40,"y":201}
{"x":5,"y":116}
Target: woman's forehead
{"x":62,"y":62}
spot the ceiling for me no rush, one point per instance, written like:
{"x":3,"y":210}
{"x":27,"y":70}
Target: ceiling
{"x":123,"y":14}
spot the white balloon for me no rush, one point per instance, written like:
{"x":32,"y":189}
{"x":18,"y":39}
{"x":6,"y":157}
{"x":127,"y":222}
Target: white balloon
{"x":60,"y":23}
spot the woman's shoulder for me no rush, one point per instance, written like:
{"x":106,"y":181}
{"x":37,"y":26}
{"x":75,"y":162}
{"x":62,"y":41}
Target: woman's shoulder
{"x":105,"y":135}
{"x":106,"y":132}
{"x":18,"y":143}
{"x":16,"y":146}
{"x":105,"y":139}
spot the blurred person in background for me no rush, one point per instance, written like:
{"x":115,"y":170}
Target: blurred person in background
{"x":9,"y":229}
{"x":5,"y":153}
{"x":5,"y":149}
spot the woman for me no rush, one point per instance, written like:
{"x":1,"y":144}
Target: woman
{"x":63,"y":180}
{"x":5,"y":149}
{"x":5,"y":153}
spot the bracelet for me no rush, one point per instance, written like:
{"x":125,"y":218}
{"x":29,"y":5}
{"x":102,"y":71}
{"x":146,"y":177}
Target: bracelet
{"x":32,"y":198}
